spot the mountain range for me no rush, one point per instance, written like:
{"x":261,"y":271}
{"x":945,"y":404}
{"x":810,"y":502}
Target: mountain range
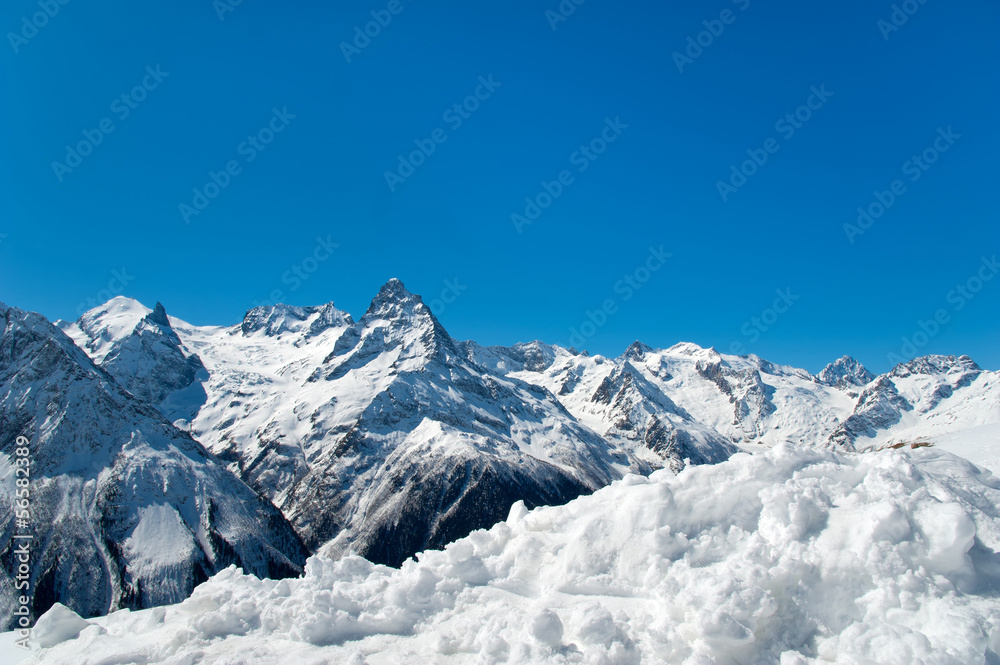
{"x":386,"y":437}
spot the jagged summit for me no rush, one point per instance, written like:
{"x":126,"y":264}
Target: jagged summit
{"x":845,"y":372}
{"x":395,"y":319}
{"x":394,"y":302}
{"x":274,"y":320}
{"x":158,"y":315}
{"x":637,"y":350}
{"x":937,"y":364}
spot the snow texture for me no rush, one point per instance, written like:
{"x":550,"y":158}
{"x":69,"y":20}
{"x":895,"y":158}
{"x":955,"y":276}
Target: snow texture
{"x":789,"y":556}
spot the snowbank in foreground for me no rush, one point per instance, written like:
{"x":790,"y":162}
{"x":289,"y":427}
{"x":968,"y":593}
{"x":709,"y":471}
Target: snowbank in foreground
{"x":785,"y":556}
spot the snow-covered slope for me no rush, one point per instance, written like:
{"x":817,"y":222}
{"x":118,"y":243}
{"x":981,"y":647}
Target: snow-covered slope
{"x":125,"y":509}
{"x":378,"y":433}
{"x":790,"y":556}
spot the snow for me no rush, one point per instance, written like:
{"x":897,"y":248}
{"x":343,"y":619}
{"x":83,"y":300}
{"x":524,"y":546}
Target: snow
{"x":10,"y":652}
{"x":767,"y":403}
{"x":787,"y":556}
{"x":99,"y":328}
{"x":980,"y":445}
{"x":160,"y":540}
{"x":57,"y":625}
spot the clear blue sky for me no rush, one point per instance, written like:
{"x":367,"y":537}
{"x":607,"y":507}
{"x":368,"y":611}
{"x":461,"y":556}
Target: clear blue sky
{"x":324,"y":174}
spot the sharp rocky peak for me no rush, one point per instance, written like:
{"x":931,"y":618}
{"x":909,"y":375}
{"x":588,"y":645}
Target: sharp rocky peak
{"x":637,"y":350}
{"x":845,"y":372}
{"x":405,"y":311}
{"x":394,"y":301}
{"x":158,"y":315}
{"x":395,"y":318}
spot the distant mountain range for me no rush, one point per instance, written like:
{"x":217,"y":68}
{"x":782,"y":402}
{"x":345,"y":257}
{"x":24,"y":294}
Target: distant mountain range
{"x":382,"y":436}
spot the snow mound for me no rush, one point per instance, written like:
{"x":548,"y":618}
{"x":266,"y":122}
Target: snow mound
{"x":57,"y":625}
{"x":787,"y":556}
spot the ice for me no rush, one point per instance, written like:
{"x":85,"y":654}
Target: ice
{"x":787,"y":556}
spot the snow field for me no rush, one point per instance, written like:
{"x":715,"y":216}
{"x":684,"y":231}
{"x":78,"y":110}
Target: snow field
{"x":786,"y":556}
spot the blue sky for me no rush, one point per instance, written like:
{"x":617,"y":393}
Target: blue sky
{"x":673,"y":129}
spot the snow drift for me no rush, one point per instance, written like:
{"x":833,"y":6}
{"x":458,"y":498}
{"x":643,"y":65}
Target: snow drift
{"x":787,"y":556}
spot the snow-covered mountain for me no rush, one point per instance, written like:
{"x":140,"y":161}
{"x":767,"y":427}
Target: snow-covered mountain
{"x":615,"y":399}
{"x":791,"y":556}
{"x":924,"y":399}
{"x":386,"y":436}
{"x":378,"y":435}
{"x":845,"y":372}
{"x":721,"y":400}
{"x":125,"y":510}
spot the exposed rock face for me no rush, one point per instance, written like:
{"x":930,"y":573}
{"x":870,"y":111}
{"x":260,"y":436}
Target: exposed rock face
{"x":879,"y":407}
{"x":125,"y":509}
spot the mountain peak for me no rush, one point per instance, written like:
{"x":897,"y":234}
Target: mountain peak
{"x":686,"y":348}
{"x":394,"y":302}
{"x":280,"y":318}
{"x":637,"y":350}
{"x":393,"y":292}
{"x":844,"y":372}
{"x":158,"y":315}
{"x":393,"y":287}
{"x":936,"y":364}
